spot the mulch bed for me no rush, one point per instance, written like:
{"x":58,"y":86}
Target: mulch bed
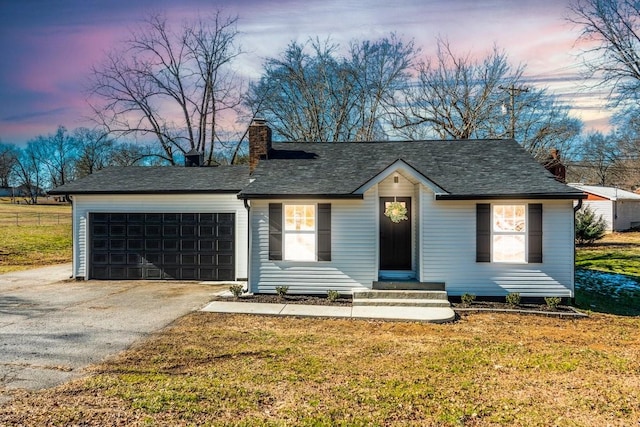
{"x":457,"y":306}
{"x":289,"y":299}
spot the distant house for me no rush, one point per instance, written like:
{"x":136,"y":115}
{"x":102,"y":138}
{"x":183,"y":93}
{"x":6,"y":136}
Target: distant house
{"x":479,"y":216}
{"x":620,"y":208}
{"x":7,"y":191}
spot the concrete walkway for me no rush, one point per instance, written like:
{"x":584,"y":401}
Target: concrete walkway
{"x":420,"y":314}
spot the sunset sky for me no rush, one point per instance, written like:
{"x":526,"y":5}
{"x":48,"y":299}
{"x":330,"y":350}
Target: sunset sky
{"x":47,"y":47}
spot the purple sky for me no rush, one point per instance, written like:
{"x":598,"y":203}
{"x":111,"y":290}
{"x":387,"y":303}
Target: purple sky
{"x":47,"y":47}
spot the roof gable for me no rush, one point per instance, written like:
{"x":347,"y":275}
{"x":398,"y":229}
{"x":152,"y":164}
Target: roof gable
{"x":399,"y":166}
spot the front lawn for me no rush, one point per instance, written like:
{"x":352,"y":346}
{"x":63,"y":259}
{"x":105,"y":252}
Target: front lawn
{"x":486,"y":369}
{"x":608,"y":275}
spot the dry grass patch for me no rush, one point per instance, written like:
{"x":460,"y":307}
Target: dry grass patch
{"x":486,"y":369}
{"x":34,"y":236}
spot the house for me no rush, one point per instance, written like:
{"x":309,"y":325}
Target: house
{"x":619,"y":208}
{"x":479,"y":216}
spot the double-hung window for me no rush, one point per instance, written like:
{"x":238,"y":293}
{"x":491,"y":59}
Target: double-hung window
{"x":509,"y":232}
{"x":300,"y":232}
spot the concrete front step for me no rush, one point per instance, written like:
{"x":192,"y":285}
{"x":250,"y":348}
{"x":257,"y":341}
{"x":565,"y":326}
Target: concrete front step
{"x":400,"y":302}
{"x":397,"y":298}
{"x":405,"y":285}
{"x":400,"y":294}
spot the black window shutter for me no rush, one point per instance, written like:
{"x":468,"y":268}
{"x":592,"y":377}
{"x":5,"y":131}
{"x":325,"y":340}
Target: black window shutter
{"x":483,"y":232}
{"x":324,"y":232}
{"x":275,"y":231}
{"x":535,"y":232}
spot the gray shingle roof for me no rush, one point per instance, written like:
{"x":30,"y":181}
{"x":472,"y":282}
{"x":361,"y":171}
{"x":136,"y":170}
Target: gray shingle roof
{"x":468,"y":169}
{"x":141,"y":180}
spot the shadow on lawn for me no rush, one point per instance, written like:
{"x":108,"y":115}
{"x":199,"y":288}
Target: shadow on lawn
{"x":611,"y":293}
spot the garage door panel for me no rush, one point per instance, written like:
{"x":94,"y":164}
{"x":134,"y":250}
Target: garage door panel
{"x":162,"y":246}
{"x":189,"y":245}
{"x":100,"y":258}
{"x":117,"y":258}
{"x":152,"y":273}
{"x":225,"y":260}
{"x":224,"y":245}
{"x":100,"y":244}
{"x":100,"y":230}
{"x":117,"y":244}
{"x":224,"y":274}
{"x":170,"y":231}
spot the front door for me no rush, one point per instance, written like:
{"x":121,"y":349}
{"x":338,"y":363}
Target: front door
{"x":395,"y":237}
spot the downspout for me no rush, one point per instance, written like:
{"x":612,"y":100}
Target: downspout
{"x":576,"y":208}
{"x":248,"y":208}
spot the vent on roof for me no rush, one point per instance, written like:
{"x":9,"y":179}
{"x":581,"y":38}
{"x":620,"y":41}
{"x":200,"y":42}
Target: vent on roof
{"x":194,"y":159}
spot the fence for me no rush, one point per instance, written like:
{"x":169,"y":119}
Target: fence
{"x":34,"y":218}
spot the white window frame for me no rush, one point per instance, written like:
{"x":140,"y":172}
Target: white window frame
{"x":524,"y":233}
{"x":286,"y":250}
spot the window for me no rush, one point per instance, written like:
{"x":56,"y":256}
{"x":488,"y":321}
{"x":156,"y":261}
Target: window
{"x":508,"y":231}
{"x":300,"y":232}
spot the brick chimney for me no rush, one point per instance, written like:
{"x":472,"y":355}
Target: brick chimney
{"x":259,"y":142}
{"x":553,"y":164}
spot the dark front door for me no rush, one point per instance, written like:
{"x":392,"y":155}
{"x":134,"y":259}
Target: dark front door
{"x":395,"y":238}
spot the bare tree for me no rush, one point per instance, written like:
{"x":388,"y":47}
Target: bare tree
{"x":8,"y":160}
{"x":172,"y":85}
{"x":56,"y":154}
{"x":459,"y":97}
{"x":28,"y":172}
{"x":611,"y":30}
{"x":599,"y":160}
{"x":94,"y":150}
{"x":312,"y":93}
{"x":381,"y":70}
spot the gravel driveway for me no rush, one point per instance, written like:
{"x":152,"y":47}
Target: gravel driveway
{"x":52,"y":327}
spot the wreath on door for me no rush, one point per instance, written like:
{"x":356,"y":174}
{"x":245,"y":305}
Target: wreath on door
{"x":396,"y":211}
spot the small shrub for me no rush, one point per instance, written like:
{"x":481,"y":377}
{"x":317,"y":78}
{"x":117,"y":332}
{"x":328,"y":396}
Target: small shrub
{"x":589,"y":227}
{"x":513,"y":299}
{"x":553,"y":302}
{"x":333,"y":295}
{"x":282,"y":291}
{"x":467,"y":299}
{"x":236,"y":290}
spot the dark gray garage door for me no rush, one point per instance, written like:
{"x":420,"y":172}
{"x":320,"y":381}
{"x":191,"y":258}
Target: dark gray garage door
{"x":187,"y":246}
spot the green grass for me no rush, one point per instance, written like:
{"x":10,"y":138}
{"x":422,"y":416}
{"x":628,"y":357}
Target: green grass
{"x":42,"y":236}
{"x":608,"y":275}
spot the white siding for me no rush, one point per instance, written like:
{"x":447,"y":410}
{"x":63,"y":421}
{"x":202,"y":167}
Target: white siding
{"x":601,"y":207}
{"x":628,"y":214}
{"x":353,"y":251}
{"x":143,"y":203}
{"x":448,"y":243}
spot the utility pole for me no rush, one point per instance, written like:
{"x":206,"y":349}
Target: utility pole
{"x":513,"y":91}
